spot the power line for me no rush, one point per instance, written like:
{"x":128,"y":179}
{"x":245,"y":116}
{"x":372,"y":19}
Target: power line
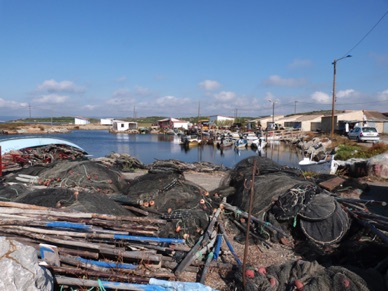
{"x":386,"y":12}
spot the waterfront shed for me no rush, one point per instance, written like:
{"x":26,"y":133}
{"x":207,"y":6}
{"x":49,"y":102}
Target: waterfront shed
{"x":350,"y":118}
{"x":81,"y":120}
{"x":172,"y":123}
{"x":106,"y":121}
{"x":266,"y":122}
{"x":120,"y":125}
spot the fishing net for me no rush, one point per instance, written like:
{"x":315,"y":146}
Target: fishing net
{"x":328,"y":230}
{"x":72,"y":200}
{"x":121,"y":162}
{"x":293,"y":201}
{"x":82,"y":175}
{"x":282,"y":197}
{"x":169,"y":195}
{"x":305,"y":275}
{"x":10,"y":192}
{"x":270,"y":181}
{"x":41,"y":155}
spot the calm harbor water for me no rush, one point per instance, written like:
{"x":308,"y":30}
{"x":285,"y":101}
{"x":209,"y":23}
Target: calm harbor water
{"x":149,"y":147}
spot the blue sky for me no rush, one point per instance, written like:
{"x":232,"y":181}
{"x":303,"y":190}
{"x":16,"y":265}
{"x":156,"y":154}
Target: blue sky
{"x":101,"y":58}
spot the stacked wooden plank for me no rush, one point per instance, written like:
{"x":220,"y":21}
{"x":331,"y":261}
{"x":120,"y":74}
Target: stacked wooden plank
{"x":121,"y":249}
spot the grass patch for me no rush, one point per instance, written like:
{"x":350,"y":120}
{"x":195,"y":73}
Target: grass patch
{"x":349,"y":151}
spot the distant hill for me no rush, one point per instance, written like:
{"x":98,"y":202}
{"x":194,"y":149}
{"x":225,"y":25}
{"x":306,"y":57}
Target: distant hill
{"x":8,"y":118}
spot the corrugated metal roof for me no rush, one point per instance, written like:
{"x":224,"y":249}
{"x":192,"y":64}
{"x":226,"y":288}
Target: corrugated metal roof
{"x":375,"y":116}
{"x":309,"y":117}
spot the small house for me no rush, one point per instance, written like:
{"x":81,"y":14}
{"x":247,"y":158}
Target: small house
{"x":81,"y":121}
{"x":120,"y":125}
{"x":171,"y":123}
{"x":106,"y":121}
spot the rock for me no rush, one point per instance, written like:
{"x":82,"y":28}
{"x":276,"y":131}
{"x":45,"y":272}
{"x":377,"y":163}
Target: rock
{"x":20,"y":269}
{"x":378,"y":166}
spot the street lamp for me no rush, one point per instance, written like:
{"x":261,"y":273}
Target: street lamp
{"x":273,"y":111}
{"x":334,"y":97}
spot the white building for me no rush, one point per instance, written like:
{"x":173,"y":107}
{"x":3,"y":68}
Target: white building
{"x":81,"y":120}
{"x":173,"y":123}
{"x":120,"y":125}
{"x":221,"y":120}
{"x":106,"y":121}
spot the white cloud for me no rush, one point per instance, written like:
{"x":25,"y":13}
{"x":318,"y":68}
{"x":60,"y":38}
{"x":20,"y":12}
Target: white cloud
{"x":209,"y":85}
{"x":63,"y":86}
{"x":172,"y":101}
{"x":142,"y":91}
{"x":345,"y":93}
{"x":52,"y":99}
{"x":90,"y":107}
{"x":321,"y":97}
{"x":120,"y":101}
{"x":225,"y":96}
{"x":276,"y":80}
{"x":299,"y":63}
{"x":120,"y":93}
{"x":383,"y":96}
{"x":121,"y":97}
{"x":11,"y":104}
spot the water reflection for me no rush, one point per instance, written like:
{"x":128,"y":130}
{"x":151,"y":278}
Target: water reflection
{"x":147,"y":148}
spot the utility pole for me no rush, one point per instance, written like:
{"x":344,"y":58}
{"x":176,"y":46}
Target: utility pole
{"x":29,"y":109}
{"x":273,"y":111}
{"x":199,"y":112}
{"x":295,"y":107}
{"x":334,"y":97}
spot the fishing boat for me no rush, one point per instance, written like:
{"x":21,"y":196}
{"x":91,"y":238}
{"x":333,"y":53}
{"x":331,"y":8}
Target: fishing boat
{"x":16,"y":144}
{"x":224,"y":143}
{"x":190,"y":140}
{"x":241,"y":143}
{"x":325,"y":166}
{"x":259,"y":143}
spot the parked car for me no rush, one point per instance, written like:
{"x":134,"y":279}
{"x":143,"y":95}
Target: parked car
{"x":364,"y":133}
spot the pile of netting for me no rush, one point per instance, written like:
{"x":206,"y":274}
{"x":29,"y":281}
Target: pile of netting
{"x":282,"y":197}
{"x":42,"y":155}
{"x":310,"y":276}
{"x":121,"y":162}
{"x":86,"y":175}
{"x":168,"y":195}
{"x":78,"y":185}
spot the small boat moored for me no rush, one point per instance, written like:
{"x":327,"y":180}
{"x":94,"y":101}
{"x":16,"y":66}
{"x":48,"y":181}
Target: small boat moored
{"x":18,"y":152}
{"x":324,"y":166}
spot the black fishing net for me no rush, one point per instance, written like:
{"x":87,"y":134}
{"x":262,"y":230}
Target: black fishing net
{"x":10,"y":192}
{"x":294,"y":201}
{"x":328,"y":230}
{"x":166,"y":194}
{"x":72,"y":200}
{"x":83,"y":175}
{"x":121,"y":162}
{"x":270,"y":181}
{"x":311,"y":276}
{"x":284,"y":199}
